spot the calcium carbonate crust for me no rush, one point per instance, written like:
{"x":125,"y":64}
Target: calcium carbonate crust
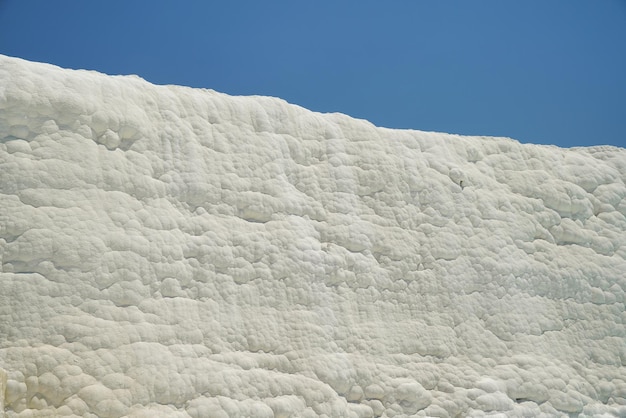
{"x":175,"y":252}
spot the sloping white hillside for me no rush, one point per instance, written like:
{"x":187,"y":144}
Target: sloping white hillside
{"x":176,"y":252}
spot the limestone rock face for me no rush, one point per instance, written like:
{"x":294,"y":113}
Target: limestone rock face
{"x":175,"y":252}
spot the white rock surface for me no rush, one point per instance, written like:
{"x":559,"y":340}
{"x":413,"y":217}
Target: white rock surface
{"x":175,"y":252}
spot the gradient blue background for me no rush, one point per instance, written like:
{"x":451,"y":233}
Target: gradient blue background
{"x":550,"y":72}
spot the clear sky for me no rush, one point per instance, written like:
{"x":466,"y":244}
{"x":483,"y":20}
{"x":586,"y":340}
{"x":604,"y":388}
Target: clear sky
{"x":549,"y":72}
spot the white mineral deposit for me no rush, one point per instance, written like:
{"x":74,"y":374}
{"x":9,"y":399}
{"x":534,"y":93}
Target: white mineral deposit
{"x":176,"y":252}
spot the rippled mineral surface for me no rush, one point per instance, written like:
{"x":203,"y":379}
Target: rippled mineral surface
{"x":175,"y":252}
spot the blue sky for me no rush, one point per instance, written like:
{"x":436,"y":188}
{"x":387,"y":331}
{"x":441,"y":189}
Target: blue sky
{"x":549,"y":72}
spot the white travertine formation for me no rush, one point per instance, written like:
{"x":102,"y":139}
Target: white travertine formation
{"x":175,"y":252}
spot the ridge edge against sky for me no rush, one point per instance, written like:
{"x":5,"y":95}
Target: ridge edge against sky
{"x":546,"y":74}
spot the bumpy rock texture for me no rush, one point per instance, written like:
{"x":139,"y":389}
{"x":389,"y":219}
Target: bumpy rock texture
{"x":176,"y":252}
